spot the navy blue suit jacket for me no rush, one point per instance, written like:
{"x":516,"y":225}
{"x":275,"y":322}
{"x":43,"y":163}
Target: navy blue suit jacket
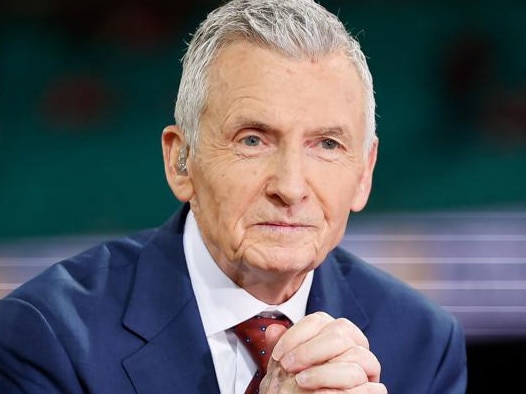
{"x":122,"y":318}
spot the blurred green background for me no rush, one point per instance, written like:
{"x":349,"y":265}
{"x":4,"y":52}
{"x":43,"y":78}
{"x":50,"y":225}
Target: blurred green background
{"x":86,"y":88}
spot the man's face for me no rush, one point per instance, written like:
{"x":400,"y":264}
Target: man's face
{"x":280,"y":161}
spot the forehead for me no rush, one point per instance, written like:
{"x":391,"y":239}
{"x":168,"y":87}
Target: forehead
{"x":245,"y":78}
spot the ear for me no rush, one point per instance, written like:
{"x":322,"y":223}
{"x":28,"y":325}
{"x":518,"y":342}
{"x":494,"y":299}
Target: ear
{"x":364,"y":187}
{"x":174,"y":144}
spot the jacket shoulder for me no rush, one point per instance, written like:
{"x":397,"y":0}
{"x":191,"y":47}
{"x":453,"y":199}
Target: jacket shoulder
{"x":411,"y":335}
{"x":377,"y":288}
{"x":87,"y":274}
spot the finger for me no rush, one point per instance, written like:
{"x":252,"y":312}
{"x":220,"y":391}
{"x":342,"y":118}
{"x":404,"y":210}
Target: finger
{"x":344,"y":329}
{"x":273,"y":333}
{"x":341,"y":376}
{"x":369,"y":388}
{"x":334,"y":339}
{"x":277,"y":380}
{"x":365,"y":358}
{"x":300,"y":332}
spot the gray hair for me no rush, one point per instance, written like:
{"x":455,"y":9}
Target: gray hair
{"x":295,"y":28}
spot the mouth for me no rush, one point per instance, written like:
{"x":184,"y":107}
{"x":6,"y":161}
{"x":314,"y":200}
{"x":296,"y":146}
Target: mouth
{"x":284,"y":226}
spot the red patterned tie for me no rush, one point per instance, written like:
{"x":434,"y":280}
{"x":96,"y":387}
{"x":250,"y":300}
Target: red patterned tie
{"x":252,"y":333}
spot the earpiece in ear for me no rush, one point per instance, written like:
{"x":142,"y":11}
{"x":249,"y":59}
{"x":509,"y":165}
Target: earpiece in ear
{"x":181,"y":161}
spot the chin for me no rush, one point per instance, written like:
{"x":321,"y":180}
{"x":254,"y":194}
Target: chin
{"x":283,"y":261}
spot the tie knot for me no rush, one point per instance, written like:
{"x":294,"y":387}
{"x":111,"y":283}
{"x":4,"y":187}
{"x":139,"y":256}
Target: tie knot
{"x":252,"y":333}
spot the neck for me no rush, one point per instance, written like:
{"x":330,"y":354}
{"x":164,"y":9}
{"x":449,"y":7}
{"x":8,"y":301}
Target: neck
{"x":271,"y":288}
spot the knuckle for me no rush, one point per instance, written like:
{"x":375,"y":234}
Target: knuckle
{"x":343,"y":329}
{"x":357,"y":371}
{"x":376,"y":388}
{"x":353,"y":333}
{"x":369,"y":388}
{"x":321,"y":316}
{"x":376,"y":364}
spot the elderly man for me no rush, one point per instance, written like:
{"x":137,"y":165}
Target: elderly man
{"x":245,"y":288}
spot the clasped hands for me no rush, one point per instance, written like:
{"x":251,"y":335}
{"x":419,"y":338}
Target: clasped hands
{"x":320,"y":354}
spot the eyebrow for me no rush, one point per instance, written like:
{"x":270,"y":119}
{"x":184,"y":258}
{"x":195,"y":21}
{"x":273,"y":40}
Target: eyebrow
{"x":330,"y":131}
{"x":241,"y":123}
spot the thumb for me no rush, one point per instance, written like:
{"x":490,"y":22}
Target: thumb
{"x":273,"y":333}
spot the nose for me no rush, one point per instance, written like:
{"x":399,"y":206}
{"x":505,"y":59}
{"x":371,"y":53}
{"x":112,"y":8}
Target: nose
{"x":288,"y":181}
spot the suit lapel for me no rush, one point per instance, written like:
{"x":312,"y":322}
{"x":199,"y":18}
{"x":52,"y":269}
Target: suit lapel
{"x":331,"y":292}
{"x":164,"y":313}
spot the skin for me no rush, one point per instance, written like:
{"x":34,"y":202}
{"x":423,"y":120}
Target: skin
{"x":279,"y":165}
{"x":320,"y":354}
{"x":278,"y":168}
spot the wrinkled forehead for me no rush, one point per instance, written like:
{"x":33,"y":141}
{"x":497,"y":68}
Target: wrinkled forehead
{"x":248,"y":81}
{"x":297,"y":52}
{"x":217,"y":69}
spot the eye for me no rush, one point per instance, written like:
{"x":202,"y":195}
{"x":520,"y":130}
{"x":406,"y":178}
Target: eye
{"x":251,"y":140}
{"x":329,"y":144}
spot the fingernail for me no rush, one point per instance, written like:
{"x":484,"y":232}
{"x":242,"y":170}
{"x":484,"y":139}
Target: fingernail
{"x":302,"y":378}
{"x":277,"y":352}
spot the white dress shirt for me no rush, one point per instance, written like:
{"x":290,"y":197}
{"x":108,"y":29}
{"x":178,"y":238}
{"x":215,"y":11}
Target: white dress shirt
{"x":223,"y":304}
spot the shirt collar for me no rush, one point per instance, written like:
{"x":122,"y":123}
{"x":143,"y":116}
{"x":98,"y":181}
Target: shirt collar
{"x":223,"y":304}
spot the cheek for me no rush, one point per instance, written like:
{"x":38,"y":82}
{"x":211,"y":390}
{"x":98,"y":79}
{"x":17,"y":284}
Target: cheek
{"x":337,"y":200}
{"x":220,"y":201}
{"x":338,"y":190}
